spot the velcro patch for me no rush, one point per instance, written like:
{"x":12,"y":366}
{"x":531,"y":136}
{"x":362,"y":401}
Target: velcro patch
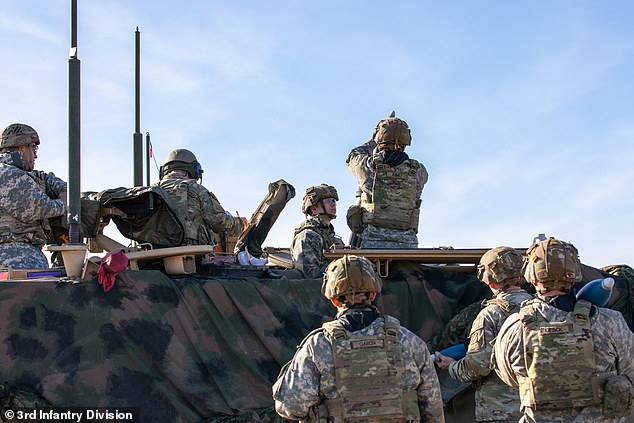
{"x":367,"y":343}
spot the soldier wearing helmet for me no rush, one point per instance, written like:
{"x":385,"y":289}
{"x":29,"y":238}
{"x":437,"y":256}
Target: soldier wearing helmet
{"x":390,"y":187}
{"x":363,"y":366}
{"x":198,"y":208}
{"x":571,"y":360}
{"x":501,"y":270}
{"x":28,"y":199}
{"x":315,"y":234}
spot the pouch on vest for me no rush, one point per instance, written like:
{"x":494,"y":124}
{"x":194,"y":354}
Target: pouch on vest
{"x":617,"y":401}
{"x":354,"y":218}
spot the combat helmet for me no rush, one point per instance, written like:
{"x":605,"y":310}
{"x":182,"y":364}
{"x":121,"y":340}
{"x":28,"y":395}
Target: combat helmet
{"x":317,"y":193}
{"x":182,"y":159}
{"x":553,"y":263}
{"x":351,"y":277}
{"x":504,"y":264}
{"x":17,"y":135}
{"x":392,"y":133}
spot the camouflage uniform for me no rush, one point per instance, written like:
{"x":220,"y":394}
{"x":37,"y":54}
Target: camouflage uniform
{"x":199,"y":210}
{"x":362,"y":164}
{"x":613,"y":345}
{"x":310,"y":240}
{"x":310,"y":376}
{"x":495,"y":401}
{"x":27,"y":201}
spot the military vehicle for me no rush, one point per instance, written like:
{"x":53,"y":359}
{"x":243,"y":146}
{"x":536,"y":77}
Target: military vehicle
{"x":191,"y":334}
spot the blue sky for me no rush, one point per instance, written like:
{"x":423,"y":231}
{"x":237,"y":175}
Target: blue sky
{"x":522,"y":111}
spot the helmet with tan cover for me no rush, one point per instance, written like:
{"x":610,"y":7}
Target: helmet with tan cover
{"x":351,"y":277}
{"x":554,"y":264}
{"x":504,"y":264}
{"x":392,"y":134}
{"x":317,"y":193}
{"x":17,"y":135}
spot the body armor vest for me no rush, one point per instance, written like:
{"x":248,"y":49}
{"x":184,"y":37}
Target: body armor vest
{"x":369,"y":377}
{"x":394,"y":202}
{"x":326,"y":232}
{"x":196,"y":232}
{"x":560,"y":360}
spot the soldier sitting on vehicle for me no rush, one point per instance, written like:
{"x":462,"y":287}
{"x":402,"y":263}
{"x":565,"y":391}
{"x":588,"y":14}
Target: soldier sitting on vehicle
{"x":363,"y":366}
{"x":315,"y":234}
{"x":390,"y":186}
{"x":28,"y":198}
{"x":199,"y":210}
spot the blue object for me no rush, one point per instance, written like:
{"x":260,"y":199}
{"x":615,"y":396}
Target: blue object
{"x":597,"y":291}
{"x":456,"y":352}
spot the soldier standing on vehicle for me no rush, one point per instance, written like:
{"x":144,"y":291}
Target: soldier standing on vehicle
{"x":571,"y":360}
{"x":28,"y":198}
{"x":390,"y":186}
{"x":500,"y":268}
{"x":198,"y":208}
{"x":316,"y":234}
{"x":363,"y":366}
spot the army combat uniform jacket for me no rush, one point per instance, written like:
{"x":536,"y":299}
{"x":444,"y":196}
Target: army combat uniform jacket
{"x":495,"y":401}
{"x":27,"y":201}
{"x":310,"y":379}
{"x":390,"y":208}
{"x":602,"y":353}
{"x":310,"y":240}
{"x":199,"y":210}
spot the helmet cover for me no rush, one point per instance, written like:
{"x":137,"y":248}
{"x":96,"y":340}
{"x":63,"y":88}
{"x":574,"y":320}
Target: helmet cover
{"x":315,"y":194}
{"x":17,"y":135}
{"x":553,"y":263}
{"x":503,"y":263}
{"x":392,"y":134}
{"x":349,"y":276}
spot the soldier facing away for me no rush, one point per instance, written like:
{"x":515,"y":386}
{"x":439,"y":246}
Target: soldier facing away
{"x":197,"y":208}
{"x":500,"y":268}
{"x":28,"y":198}
{"x":315,"y":234}
{"x":363,"y":366}
{"x":390,"y":186}
{"x":572,"y":361}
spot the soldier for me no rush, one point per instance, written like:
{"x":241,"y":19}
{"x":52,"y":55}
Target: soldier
{"x":390,"y":186}
{"x":28,"y":198}
{"x":500,"y":268}
{"x":572,"y":361}
{"x":198,"y":208}
{"x":315,"y":234}
{"x":363,"y":366}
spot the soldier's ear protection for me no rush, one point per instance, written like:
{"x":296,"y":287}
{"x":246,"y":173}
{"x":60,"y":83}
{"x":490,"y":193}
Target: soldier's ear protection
{"x":194,"y":168}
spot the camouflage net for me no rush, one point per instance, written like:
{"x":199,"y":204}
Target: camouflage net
{"x":188,"y":349}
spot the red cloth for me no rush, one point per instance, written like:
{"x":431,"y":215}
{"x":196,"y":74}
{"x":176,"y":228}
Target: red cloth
{"x":111,"y":264}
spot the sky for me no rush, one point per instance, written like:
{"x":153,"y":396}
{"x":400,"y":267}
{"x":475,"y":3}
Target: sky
{"x":522,"y":112}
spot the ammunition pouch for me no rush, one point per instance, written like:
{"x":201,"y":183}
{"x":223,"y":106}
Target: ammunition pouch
{"x":354,"y":218}
{"x":617,"y":399}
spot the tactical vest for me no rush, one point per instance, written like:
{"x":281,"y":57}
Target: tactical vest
{"x":560,"y":360}
{"x":327,"y":235}
{"x":394,"y":202}
{"x":195,"y":231}
{"x":369,"y":376}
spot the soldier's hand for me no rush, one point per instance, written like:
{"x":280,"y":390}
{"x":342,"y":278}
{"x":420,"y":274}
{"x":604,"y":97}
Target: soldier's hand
{"x":443,"y":361}
{"x":244,"y":221}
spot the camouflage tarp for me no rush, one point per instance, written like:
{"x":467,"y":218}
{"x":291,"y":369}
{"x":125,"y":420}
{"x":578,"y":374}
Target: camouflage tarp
{"x":189,"y":349}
